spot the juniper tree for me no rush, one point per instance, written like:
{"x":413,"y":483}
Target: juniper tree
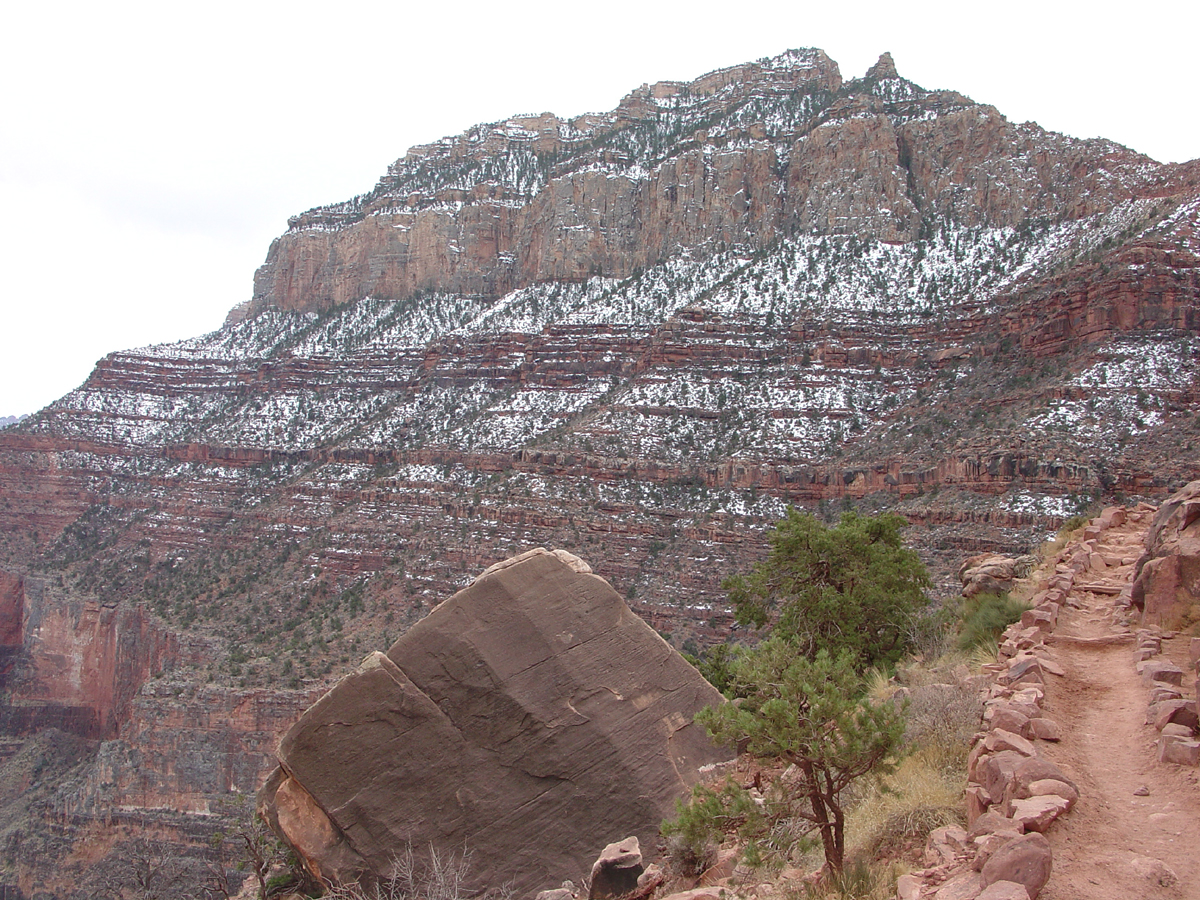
{"x":813,"y":714}
{"x":837,"y":600}
{"x":851,"y":587}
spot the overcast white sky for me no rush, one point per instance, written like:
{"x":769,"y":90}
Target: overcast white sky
{"x":150,"y":151}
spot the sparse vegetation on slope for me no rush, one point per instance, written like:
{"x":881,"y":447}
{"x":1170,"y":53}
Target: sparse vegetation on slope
{"x":984,"y":617}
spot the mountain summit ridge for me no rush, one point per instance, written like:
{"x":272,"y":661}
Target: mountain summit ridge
{"x":885,"y":67}
{"x":740,"y":156}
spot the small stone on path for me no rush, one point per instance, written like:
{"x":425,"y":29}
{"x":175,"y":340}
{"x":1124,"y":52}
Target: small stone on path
{"x":1004,"y":890}
{"x":1154,"y":870}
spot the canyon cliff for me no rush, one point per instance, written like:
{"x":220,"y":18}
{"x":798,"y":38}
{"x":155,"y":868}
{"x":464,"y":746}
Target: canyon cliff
{"x":636,"y":335}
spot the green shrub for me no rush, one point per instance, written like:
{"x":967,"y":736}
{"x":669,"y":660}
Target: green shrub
{"x":810,"y":713}
{"x":716,"y":665}
{"x":704,"y":821}
{"x":985,"y":616}
{"x":1073,"y":524}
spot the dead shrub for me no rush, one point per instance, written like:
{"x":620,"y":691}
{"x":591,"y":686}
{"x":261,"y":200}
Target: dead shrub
{"x":941,"y":720}
{"x":438,"y":876}
{"x":906,"y":829}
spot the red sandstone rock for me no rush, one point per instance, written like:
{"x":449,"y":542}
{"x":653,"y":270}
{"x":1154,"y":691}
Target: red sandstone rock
{"x":1179,"y":752}
{"x":1167,"y":577}
{"x":1028,"y":771}
{"x":1160,"y":692}
{"x":908,"y":887}
{"x":723,"y":867}
{"x":1024,"y":670}
{"x":617,"y":870}
{"x":987,"y":844}
{"x":999,"y":740}
{"x":12,"y":611}
{"x":977,"y":801}
{"x":991,"y":822}
{"x":1037,"y":618}
{"x":83,"y":664}
{"x":1049,"y":665}
{"x":1045,"y":729}
{"x":1026,"y":861}
{"x":702,"y":893}
{"x":991,"y":574}
{"x":1155,"y":871}
{"x":1004,"y":890}
{"x":1047,"y":786}
{"x":1038,"y":812}
{"x":1173,"y":712}
{"x":963,"y":886}
{"x":945,"y":845}
{"x":996,"y":773}
{"x":1163,"y":672}
{"x":1008,"y":719}
{"x":510,"y":716}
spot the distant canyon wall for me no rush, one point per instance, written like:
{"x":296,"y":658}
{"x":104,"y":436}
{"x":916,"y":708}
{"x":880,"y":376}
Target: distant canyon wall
{"x":74,"y":664}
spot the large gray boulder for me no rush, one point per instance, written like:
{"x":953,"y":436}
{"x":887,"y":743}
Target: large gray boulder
{"x":526,"y":720}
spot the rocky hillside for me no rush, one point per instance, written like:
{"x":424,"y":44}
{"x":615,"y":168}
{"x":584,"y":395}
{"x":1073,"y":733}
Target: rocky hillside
{"x":637,"y":335}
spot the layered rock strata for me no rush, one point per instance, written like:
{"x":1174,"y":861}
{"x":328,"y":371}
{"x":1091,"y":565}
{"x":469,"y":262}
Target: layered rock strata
{"x":73,"y":663}
{"x":740,"y":156}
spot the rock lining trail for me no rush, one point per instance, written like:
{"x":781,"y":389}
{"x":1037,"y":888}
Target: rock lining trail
{"x":1116,"y":843}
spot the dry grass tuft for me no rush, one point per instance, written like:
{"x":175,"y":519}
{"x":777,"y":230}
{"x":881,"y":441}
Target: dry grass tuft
{"x":984,"y":654}
{"x":895,"y":813}
{"x":861,"y":880}
{"x":905,"y":830}
{"x":880,"y":686}
{"x":941,"y":720}
{"x":892,"y":814}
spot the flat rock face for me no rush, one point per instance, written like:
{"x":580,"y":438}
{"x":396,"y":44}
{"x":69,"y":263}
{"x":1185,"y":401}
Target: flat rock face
{"x":528,"y":719}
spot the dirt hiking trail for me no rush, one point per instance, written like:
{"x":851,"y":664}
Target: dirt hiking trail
{"x":1135,"y":832}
